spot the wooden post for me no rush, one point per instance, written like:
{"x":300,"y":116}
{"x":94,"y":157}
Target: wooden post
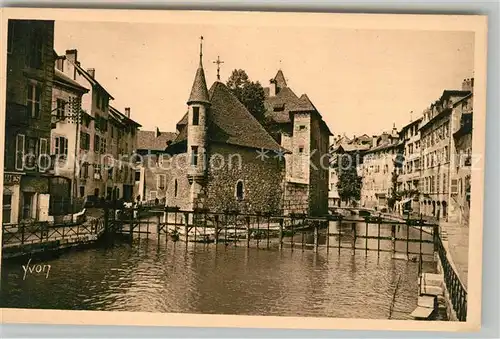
{"x":158,"y":222}
{"x":408,"y":239}
{"x":340,"y":233}
{"x":420,"y":243}
{"x":366,"y":238}
{"x":235,"y":230}
{"x":293,"y":232}
{"x":268,"y":222}
{"x":281,"y":234}
{"x":316,"y":235}
{"x":216,"y":229}
{"x":205,"y":226}
{"x":378,"y":237}
{"x":186,"y":227}
{"x":327,"y":236}
{"x":130,"y":225}
{"x":354,"y":237}
{"x":248,"y":231}
{"x":258,"y":230}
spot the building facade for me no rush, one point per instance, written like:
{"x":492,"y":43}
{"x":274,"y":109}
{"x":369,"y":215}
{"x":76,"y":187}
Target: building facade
{"x":462,"y":161}
{"x":214,"y":161}
{"x":150,"y":177}
{"x":378,"y":169}
{"x":106,"y":135}
{"x":297,"y":126}
{"x":355,"y":148}
{"x":65,"y":142}
{"x":122,"y":141}
{"x":30,"y":75}
{"x":436,"y":153}
{"x":409,"y":173}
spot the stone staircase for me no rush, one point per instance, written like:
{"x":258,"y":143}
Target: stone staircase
{"x":431,"y":303}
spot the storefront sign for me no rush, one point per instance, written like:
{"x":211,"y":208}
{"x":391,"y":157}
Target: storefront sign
{"x":11,"y":179}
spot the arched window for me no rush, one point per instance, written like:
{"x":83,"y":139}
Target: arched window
{"x":239,"y":190}
{"x":175,"y":188}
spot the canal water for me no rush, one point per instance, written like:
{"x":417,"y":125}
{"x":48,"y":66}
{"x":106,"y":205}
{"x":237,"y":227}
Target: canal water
{"x":151,"y":276}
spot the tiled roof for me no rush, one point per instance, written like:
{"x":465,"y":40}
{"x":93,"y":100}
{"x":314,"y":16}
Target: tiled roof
{"x":122,"y":117}
{"x":280,"y":107}
{"x":91,"y":79}
{"x":63,"y":78}
{"x":231,"y":123}
{"x":199,"y":92}
{"x":148,"y":140}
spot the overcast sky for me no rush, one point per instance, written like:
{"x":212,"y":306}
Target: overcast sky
{"x":361,"y":81}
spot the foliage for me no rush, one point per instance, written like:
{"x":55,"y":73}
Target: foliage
{"x":250,"y":94}
{"x":349,"y":183}
{"x":394,"y":195}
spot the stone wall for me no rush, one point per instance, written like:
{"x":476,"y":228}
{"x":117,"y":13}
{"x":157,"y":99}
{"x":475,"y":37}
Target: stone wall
{"x":262,"y":180}
{"x":318,"y":171}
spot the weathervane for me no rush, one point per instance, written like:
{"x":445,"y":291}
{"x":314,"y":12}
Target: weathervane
{"x":218,"y":62}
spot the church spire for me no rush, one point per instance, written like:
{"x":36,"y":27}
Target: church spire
{"x":199,"y":91}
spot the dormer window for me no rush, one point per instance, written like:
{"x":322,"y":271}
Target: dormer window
{"x":196,"y":116}
{"x":279,"y":107}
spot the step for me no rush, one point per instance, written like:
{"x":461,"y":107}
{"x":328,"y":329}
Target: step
{"x":426,"y":301}
{"x":422,"y":313}
{"x":432,"y":279}
{"x":431,"y":290}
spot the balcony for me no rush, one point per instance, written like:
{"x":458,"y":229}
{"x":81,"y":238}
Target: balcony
{"x":16,"y":115}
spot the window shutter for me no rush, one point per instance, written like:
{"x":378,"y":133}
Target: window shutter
{"x":454,"y":186}
{"x":20,"y":149}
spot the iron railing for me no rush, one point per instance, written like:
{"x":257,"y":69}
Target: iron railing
{"x":41,"y":232}
{"x":455,"y":287}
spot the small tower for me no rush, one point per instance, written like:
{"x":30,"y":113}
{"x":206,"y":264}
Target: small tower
{"x":198,"y":106}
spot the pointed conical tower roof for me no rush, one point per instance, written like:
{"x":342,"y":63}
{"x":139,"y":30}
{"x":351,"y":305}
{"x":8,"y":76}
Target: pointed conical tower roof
{"x":199,"y":91}
{"x":280,"y":79}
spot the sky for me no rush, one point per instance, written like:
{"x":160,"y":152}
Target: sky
{"x":361,"y":81}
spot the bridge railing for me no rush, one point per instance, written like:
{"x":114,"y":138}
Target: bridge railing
{"x":455,"y":287}
{"x":411,"y":237}
{"x":41,"y":232}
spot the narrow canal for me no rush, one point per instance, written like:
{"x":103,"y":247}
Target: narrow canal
{"x":151,"y":276}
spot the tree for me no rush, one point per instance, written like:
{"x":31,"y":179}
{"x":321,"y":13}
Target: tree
{"x":250,"y":94}
{"x":394,"y":195}
{"x":349,"y":183}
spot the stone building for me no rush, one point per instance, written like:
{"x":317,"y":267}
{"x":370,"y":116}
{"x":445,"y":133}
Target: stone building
{"x":95,"y":156}
{"x":65,"y":141}
{"x":409,"y":172}
{"x":122,"y":141}
{"x":377,"y":169}
{"x":297,"y":126}
{"x":462,"y":161}
{"x":355,"y":148}
{"x":436,"y":152}
{"x":30,"y":75}
{"x":222,"y":158}
{"x":151,"y":177}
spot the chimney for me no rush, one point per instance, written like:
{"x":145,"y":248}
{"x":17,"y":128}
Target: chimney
{"x":71,"y":55}
{"x":468,"y":85}
{"x":374,"y":140}
{"x":91,"y":71}
{"x":127,"y":112}
{"x":273,"y":88}
{"x":72,"y":60}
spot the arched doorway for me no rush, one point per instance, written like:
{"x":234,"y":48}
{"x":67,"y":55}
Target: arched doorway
{"x":433,"y":208}
{"x":444,"y":207}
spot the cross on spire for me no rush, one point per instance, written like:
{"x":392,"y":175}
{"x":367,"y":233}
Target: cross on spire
{"x":201,"y":50}
{"x":218,"y":62}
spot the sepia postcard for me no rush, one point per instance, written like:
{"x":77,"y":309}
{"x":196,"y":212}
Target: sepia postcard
{"x":242,"y":169}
